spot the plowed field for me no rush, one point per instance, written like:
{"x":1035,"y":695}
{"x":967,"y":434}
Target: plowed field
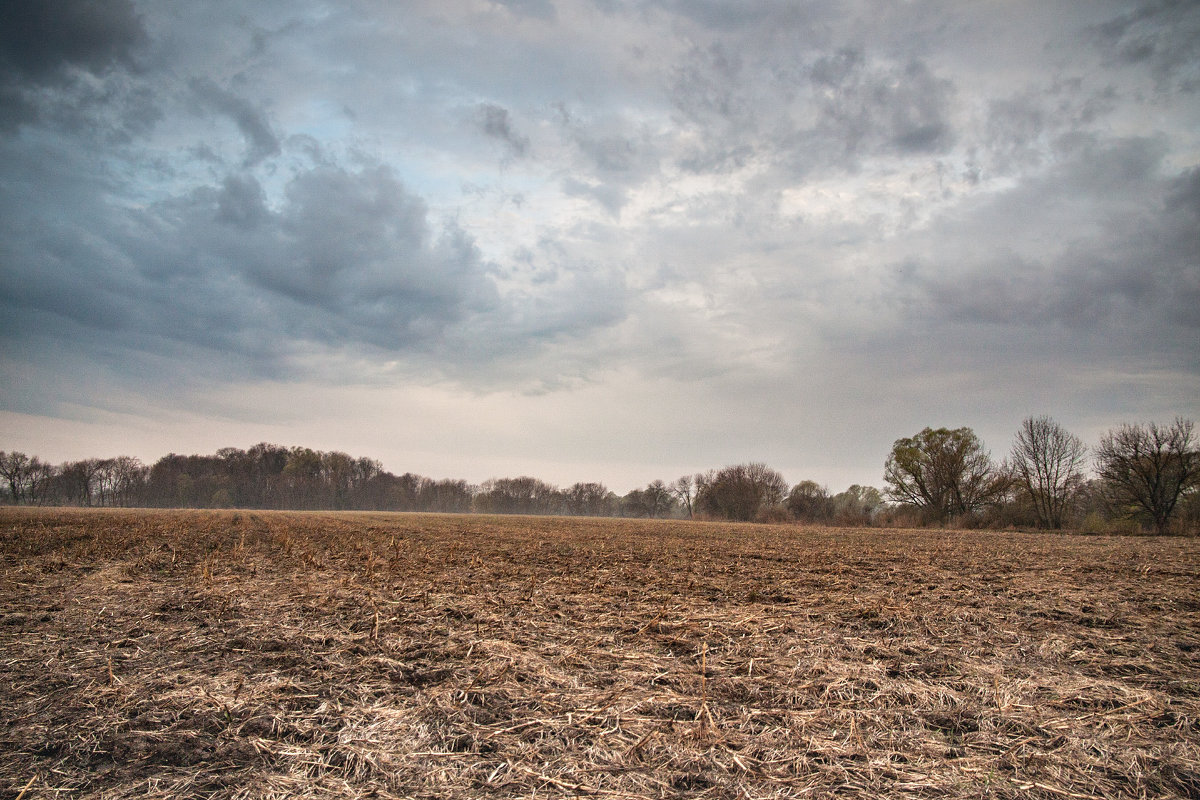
{"x":257,"y":654}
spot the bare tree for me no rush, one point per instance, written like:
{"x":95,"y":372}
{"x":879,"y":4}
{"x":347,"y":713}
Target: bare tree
{"x":587,"y":499}
{"x":130,"y":478}
{"x":655,"y":500}
{"x":658,"y":499}
{"x":858,"y":505}
{"x":106,"y":482}
{"x":14,"y":468}
{"x":79,"y":480}
{"x":41,"y":480}
{"x":446,"y":495}
{"x":740,"y":492}
{"x":943,"y":472}
{"x":809,"y":502}
{"x":1146,"y":468}
{"x":1048,"y":461}
{"x":684,"y":490}
{"x":522,"y":495}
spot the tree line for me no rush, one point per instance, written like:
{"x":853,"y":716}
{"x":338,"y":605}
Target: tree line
{"x":268,"y":476}
{"x":265,"y":476}
{"x":1142,"y":475}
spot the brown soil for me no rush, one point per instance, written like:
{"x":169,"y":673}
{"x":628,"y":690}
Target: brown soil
{"x":253,"y":654}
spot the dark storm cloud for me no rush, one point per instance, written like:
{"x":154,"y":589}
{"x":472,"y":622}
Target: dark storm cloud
{"x":41,"y":41}
{"x":359,"y":247}
{"x":39,"y":38}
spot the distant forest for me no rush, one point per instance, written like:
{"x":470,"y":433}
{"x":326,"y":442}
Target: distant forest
{"x":1141,"y":477}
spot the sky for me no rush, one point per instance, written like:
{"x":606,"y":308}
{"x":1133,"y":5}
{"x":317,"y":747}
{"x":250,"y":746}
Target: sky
{"x":594,"y":240}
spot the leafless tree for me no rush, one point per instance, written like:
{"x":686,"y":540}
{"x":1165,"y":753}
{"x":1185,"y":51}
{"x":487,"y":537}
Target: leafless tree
{"x":658,"y":499}
{"x":587,"y":499}
{"x":130,"y":475}
{"x":740,"y":492}
{"x":684,"y":490}
{"x":522,"y":495}
{"x":42,"y":476}
{"x":14,"y":468}
{"x":858,"y":505}
{"x":1145,"y":469}
{"x":79,"y":480}
{"x":809,"y":502}
{"x":1048,"y":462}
{"x":655,"y":500}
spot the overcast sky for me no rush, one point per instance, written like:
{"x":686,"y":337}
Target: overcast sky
{"x":597,"y":240}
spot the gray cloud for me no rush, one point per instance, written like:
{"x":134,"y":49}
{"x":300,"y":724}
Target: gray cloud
{"x":1125,"y":270}
{"x":819,"y":111}
{"x":347,"y":261}
{"x":538,"y":9}
{"x":904,"y":108}
{"x":748,"y":206}
{"x":40,"y":38}
{"x":497,"y":123}
{"x":261,"y":141}
{"x":242,"y":203}
{"x":610,"y":156}
{"x":1163,"y":34}
{"x":608,"y":196}
{"x":45,"y":45}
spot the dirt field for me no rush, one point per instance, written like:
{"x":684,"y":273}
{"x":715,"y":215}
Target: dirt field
{"x":255,"y":654}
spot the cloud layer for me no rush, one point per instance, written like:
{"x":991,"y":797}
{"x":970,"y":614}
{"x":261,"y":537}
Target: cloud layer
{"x":739,"y":214}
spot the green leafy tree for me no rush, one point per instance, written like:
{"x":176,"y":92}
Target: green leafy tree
{"x":943,"y":472}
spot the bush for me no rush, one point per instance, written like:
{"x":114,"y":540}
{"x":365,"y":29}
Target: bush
{"x":775,"y":515}
{"x":1096,"y":524}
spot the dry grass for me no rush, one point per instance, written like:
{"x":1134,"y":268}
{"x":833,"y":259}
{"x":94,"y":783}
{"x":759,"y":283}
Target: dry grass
{"x":244,"y":654}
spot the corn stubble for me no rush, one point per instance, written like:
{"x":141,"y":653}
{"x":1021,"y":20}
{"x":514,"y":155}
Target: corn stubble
{"x":253,"y":654}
